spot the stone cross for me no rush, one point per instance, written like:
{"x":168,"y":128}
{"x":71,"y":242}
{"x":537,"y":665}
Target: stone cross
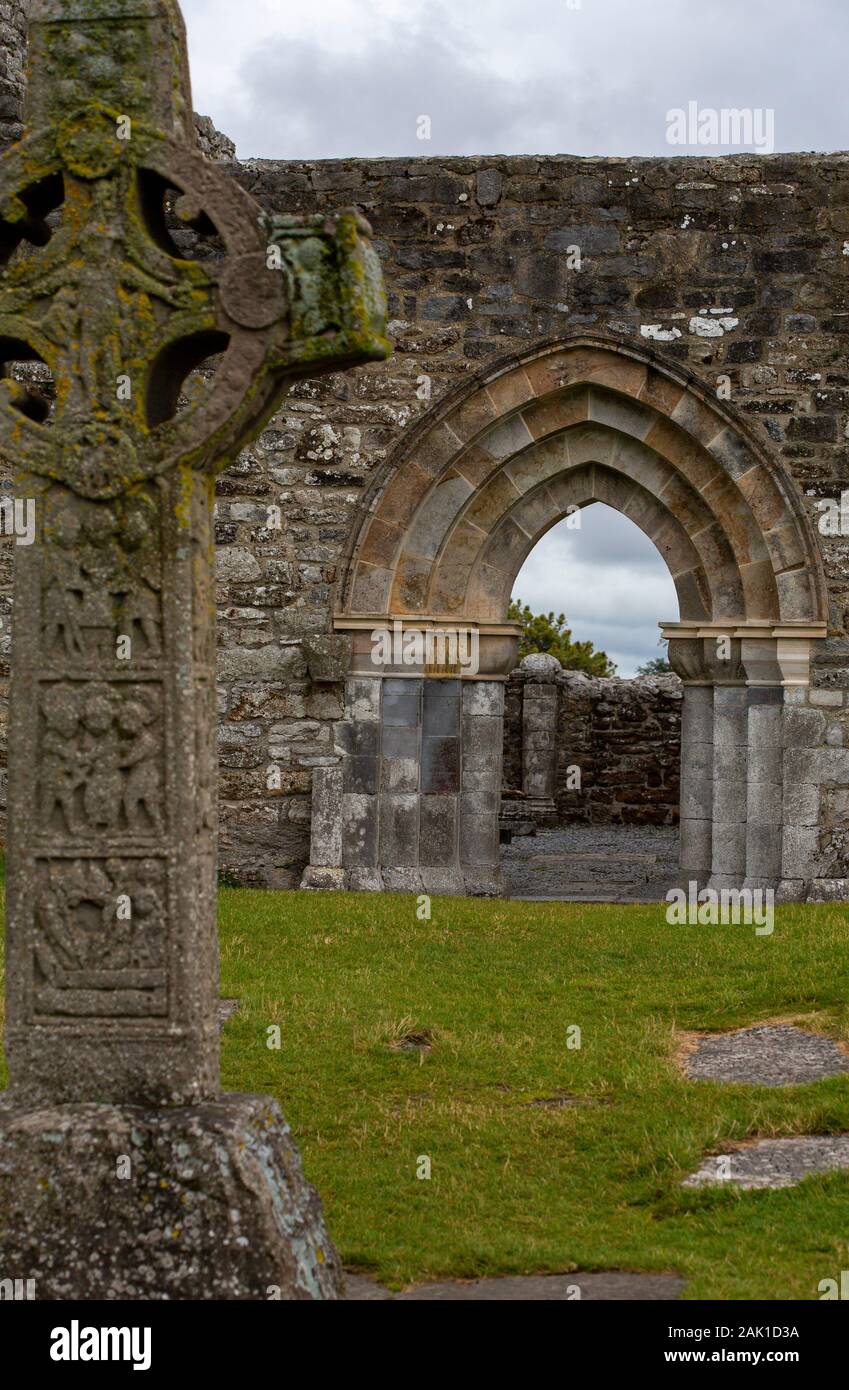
{"x":130,"y":261}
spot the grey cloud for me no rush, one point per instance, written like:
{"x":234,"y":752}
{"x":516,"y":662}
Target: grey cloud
{"x":598,"y":81}
{"x":610,"y":582}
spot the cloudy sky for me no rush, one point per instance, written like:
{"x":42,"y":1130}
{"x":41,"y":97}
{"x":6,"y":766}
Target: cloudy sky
{"x":609,"y":581}
{"x":332,"y":78}
{"x":328,"y":78}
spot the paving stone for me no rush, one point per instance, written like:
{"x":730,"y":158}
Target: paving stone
{"x":537,"y":1288}
{"x":774,"y":1162}
{"x":584,"y":863}
{"x":769,"y":1055}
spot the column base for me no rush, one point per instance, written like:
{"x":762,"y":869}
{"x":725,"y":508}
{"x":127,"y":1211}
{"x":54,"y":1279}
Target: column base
{"x":101,"y":1202}
{"x":792,"y":890}
{"x":720,"y":881}
{"x":452,"y":881}
{"x":327,"y":880}
{"x":482,"y":881}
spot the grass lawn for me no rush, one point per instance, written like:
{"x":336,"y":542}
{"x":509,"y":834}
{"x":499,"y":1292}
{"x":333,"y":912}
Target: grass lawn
{"x":519,"y":1188}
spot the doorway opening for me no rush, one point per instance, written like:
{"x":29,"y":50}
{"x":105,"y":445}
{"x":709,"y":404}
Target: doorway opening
{"x":592,"y":718}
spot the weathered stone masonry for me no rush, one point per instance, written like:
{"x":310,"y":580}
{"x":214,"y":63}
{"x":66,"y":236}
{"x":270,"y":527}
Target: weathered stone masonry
{"x":623,"y":736}
{"x":692,"y":270}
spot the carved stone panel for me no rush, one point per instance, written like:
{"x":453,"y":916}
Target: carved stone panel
{"x":100,"y":939}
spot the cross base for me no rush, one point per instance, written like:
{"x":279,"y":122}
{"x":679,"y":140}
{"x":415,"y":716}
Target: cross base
{"x":200,"y":1202}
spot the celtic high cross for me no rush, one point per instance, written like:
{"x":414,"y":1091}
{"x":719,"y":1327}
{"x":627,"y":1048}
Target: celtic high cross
{"x":111,"y":947}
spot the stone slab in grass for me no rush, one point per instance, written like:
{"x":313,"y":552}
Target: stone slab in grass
{"x":769,"y":1055}
{"x":774,"y":1162}
{"x":537,"y":1288}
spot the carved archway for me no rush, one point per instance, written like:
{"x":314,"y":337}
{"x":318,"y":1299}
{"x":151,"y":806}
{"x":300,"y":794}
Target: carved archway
{"x":452,"y":518}
{"x":446,"y":528}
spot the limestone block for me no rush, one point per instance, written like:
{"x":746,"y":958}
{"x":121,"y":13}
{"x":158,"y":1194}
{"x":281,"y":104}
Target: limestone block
{"x":362,"y":699}
{"x":800,"y":852}
{"x":441,"y":708}
{"x":696,"y":796}
{"x":326,"y":830}
{"x":438,"y":831}
{"x":816,"y":765}
{"x":440,"y":765}
{"x":400,"y":741}
{"x":328,"y":656}
{"x":696,"y":850}
{"x":801,"y":803}
{"x":479,"y":837}
{"x":484,"y":697}
{"x":447,"y":881}
{"x":401,"y":703}
{"x":482,"y":882}
{"x":764,"y":843}
{"x":403,"y":879}
{"x":359,"y":818}
{"x":729,"y":800}
{"x":507,"y":438}
{"x":365,"y":880}
{"x":802,"y":727}
{"x":765,"y":803}
{"x":399,"y":774}
{"x":729,"y":850}
{"x":399,"y":830}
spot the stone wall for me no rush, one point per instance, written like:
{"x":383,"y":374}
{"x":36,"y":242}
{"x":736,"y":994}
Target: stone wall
{"x":624,"y":737}
{"x":733,"y":269}
{"x":13,"y":25}
{"x":473,"y":253}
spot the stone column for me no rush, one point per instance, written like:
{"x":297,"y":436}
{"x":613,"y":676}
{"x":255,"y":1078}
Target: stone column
{"x":112,"y":979}
{"x":687,"y":657}
{"x":480,"y":803}
{"x":540,"y":698}
{"x":764,"y":796}
{"x":730,"y":760}
{"x":326,"y":859}
{"x":809,"y":760}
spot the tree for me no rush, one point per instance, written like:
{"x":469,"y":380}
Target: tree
{"x":542,"y":632}
{"x":658,"y":666}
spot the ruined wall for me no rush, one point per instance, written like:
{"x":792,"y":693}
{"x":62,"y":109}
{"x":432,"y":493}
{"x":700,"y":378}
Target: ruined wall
{"x":623,"y":735}
{"x":734,"y":268}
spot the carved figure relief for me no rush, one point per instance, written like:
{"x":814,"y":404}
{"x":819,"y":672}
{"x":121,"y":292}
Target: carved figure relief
{"x":102,"y":580}
{"x":101,"y":762}
{"x":100,"y":937}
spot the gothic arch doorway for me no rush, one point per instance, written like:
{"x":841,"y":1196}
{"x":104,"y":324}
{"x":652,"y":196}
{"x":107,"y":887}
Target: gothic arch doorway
{"x":446,"y":528}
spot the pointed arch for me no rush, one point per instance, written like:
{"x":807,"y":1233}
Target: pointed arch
{"x":487,"y":471}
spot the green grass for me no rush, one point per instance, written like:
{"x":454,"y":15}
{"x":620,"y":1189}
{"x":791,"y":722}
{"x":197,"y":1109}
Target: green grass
{"x":494,"y":987}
